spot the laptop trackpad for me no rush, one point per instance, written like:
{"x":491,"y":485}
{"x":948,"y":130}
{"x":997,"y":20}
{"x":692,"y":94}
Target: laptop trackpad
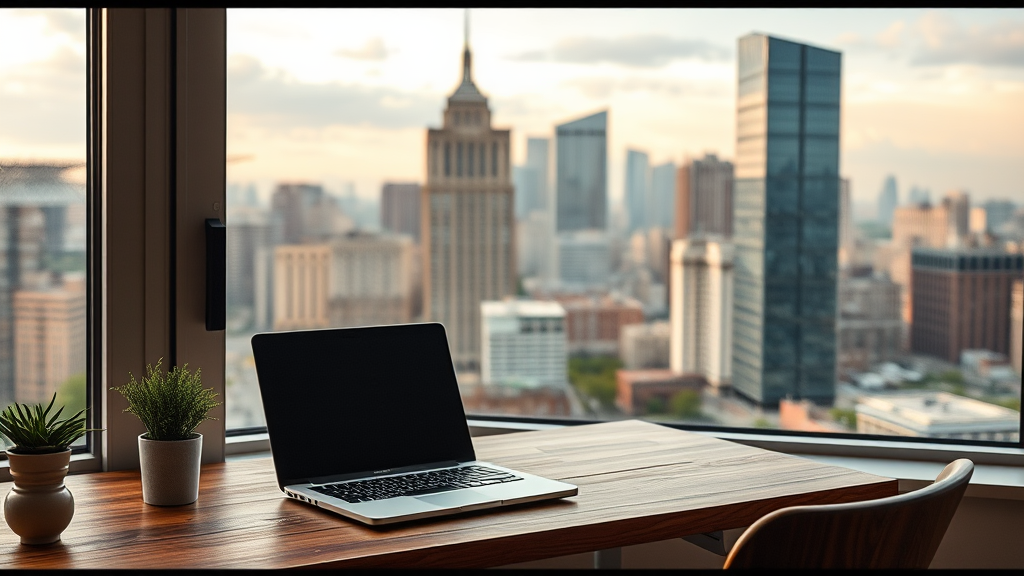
{"x":458,"y":498}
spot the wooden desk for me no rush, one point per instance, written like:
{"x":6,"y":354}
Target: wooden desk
{"x":638,"y":483}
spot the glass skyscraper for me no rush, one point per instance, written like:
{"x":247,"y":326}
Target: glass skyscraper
{"x":581,"y":179}
{"x":786,"y":221}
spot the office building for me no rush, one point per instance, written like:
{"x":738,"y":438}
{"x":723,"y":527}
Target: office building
{"x":594,"y":323}
{"x":937,"y":415}
{"x":372,"y":280}
{"x":914,"y":225}
{"x":650,"y":391}
{"x":638,"y":189}
{"x":704,"y":197}
{"x":583,"y":258}
{"x":531,"y":179}
{"x":468,"y":217}
{"x":1016,"y":325}
{"x":49,"y":336}
{"x":888,"y":200}
{"x":534,"y":250}
{"x":662,"y":206}
{"x":523,"y":343}
{"x":645,"y":345}
{"x":301,"y":273}
{"x":959,"y":226}
{"x":997,"y":214}
{"x":786,"y":221}
{"x":847,"y":242}
{"x":292,"y":206}
{"x":248,"y":238}
{"x":869,"y":329}
{"x":581,"y":173}
{"x":701,"y":309}
{"x":918,"y":195}
{"x":400,"y":209}
{"x":961,"y":299}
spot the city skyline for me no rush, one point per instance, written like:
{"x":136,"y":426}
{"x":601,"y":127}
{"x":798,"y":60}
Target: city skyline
{"x":365,"y":82}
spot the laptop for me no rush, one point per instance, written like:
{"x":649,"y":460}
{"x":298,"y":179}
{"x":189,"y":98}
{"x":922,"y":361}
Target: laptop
{"x":368,"y":423}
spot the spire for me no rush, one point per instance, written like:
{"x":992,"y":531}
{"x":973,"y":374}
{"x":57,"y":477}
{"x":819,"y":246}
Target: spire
{"x":467,"y":58}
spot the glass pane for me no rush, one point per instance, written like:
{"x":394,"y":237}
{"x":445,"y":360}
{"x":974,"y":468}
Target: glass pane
{"x":376,"y":176}
{"x":42,"y":207}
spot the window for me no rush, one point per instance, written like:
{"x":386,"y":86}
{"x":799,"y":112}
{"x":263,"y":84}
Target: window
{"x":44,"y":207}
{"x":790,"y":135}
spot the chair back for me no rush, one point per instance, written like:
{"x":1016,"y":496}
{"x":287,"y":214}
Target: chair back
{"x":902,"y":531}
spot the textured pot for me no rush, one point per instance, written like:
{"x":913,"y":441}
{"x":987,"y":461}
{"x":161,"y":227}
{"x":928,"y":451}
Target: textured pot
{"x":170,"y":470}
{"x":39,"y":506}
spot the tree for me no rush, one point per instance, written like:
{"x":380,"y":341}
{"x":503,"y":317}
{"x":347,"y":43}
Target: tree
{"x":686,"y":404}
{"x":655,"y":405}
{"x":71,"y":395}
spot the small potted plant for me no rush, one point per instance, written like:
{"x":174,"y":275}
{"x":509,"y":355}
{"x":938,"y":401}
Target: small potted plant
{"x":171,"y":405}
{"x":39,"y":506}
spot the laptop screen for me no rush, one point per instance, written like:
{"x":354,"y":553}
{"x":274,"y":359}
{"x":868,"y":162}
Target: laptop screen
{"x":347,"y":400}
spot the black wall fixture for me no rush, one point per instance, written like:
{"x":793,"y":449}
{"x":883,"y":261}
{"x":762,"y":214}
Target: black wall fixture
{"x":216,"y":274}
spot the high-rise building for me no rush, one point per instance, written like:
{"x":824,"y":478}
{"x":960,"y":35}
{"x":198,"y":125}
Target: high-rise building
{"x":468,"y":216}
{"x":888,"y":200}
{"x":526,"y":181}
{"x":372,"y":280}
{"x":662,"y":206}
{"x":638,"y":189}
{"x":704,"y":198}
{"x":292,"y":206}
{"x":645,"y":345}
{"x":523,"y":343}
{"x":301,"y":273}
{"x":583,"y":258}
{"x":532,"y":178}
{"x":534,"y":249}
{"x":786,"y":229}
{"x":998,"y":213}
{"x":919,"y":195}
{"x":49,"y":337}
{"x":400,"y":208}
{"x":847,"y":243}
{"x":581,"y":173}
{"x":961,"y":300}
{"x":701,"y":309}
{"x":248,"y":238}
{"x":921,"y":224}
{"x":869,"y":329}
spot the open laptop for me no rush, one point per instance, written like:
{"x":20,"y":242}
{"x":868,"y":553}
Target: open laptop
{"x":368,"y":422}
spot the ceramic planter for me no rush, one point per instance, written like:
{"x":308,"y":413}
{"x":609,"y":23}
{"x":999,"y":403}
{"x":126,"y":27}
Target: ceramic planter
{"x":39,"y":506}
{"x":170,"y":470}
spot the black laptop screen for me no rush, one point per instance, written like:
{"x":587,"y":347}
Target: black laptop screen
{"x":350,"y":400}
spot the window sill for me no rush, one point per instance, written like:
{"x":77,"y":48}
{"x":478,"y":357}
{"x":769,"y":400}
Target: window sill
{"x":999,"y":472}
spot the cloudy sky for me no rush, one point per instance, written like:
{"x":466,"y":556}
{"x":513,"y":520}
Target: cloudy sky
{"x":935,"y":97}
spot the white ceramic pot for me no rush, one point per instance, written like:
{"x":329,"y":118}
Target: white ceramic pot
{"x":39,"y":506}
{"x":170,"y":470}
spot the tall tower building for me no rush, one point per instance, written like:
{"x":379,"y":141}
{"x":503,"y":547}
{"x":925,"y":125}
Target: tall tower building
{"x":662,"y":204}
{"x":638,"y":189}
{"x":400,"y":208}
{"x":700,"y":309}
{"x":704,"y":192}
{"x":49,"y":338}
{"x":468,"y":219}
{"x":786,"y":221}
{"x":581,"y":173}
{"x":888,"y":200}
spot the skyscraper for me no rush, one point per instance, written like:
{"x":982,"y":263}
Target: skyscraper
{"x":786,"y":221}
{"x":704,"y":198}
{"x":888,"y":200}
{"x":531,"y":179}
{"x":468,"y":232}
{"x":661,"y":207}
{"x":581,"y":179}
{"x":400,"y":208}
{"x":638,"y":189}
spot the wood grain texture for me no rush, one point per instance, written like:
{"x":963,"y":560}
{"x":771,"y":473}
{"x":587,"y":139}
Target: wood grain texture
{"x":901,"y":531}
{"x":638,"y":482}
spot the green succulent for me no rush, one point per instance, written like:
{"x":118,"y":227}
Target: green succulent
{"x":31,"y":429}
{"x":171,"y":404}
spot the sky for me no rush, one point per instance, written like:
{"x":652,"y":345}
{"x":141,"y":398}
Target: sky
{"x":935,"y":97}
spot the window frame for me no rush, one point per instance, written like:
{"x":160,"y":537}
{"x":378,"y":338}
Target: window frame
{"x":169,"y":89}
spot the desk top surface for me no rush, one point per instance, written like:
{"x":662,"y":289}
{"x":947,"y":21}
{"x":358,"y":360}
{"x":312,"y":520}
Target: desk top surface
{"x":638,"y":482}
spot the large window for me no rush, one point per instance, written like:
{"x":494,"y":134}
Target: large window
{"x":43,"y":231}
{"x":658,"y":214}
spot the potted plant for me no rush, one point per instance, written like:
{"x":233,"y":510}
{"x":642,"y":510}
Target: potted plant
{"x":39,"y":506}
{"x":171,"y":405}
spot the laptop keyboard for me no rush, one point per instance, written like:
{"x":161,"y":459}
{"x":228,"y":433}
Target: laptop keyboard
{"x":416,"y":484}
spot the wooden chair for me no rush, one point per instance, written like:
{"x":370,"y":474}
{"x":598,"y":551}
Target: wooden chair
{"x":902,"y":531}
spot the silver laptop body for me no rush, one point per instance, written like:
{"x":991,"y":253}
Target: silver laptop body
{"x":356,"y":409}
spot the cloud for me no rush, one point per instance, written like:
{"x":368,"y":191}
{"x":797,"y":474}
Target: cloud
{"x":638,"y":51}
{"x":275,"y":100}
{"x":600,"y":88}
{"x":374,"y":49}
{"x":891,"y":36}
{"x":944,"y":42}
{"x":44,"y":102}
